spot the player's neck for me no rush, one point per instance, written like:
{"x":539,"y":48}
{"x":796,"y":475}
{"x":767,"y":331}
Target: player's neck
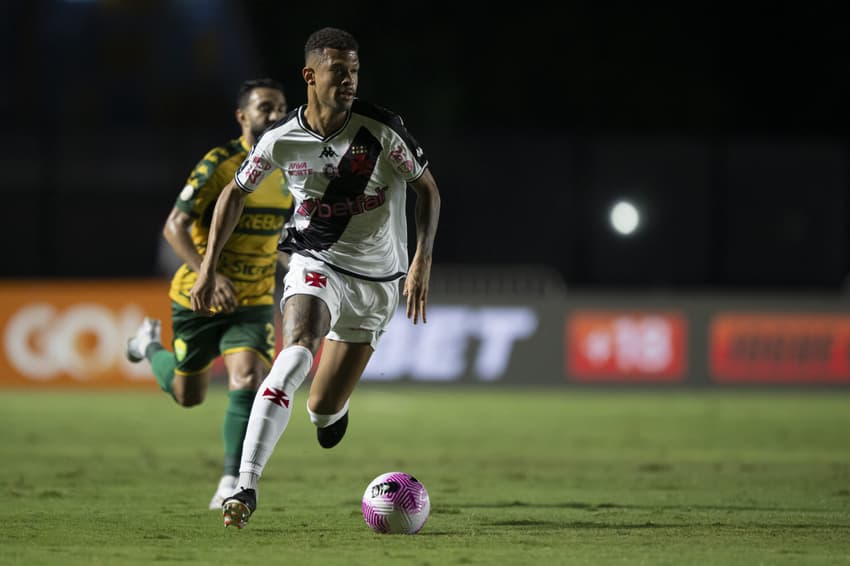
{"x":323,"y":120}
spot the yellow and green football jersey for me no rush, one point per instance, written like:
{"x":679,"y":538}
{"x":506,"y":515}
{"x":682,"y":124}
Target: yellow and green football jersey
{"x":249,"y":257}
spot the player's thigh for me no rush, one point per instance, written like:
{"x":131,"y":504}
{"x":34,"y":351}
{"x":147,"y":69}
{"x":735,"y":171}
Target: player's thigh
{"x":306,"y":320}
{"x":340,"y":367}
{"x":310,"y":303}
{"x":195,"y":346}
{"x":248,"y":345}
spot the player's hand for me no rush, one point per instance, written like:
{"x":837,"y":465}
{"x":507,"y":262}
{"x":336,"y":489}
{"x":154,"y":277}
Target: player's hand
{"x":201,"y":295}
{"x":416,"y":288}
{"x":224,"y":297}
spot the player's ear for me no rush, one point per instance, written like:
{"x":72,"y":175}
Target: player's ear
{"x":240,"y":115}
{"x":309,"y":75}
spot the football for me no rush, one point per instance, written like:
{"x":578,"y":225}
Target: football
{"x":396,"y":503}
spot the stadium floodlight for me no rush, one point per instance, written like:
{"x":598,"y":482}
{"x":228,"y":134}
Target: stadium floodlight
{"x":624,"y":217}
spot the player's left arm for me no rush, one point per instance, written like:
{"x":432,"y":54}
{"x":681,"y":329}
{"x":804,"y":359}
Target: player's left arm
{"x":427,"y":216}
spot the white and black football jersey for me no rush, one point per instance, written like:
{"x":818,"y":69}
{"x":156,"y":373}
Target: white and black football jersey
{"x":350,"y":188}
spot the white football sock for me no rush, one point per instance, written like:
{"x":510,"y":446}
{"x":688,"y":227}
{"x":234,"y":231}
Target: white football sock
{"x":323,"y":421}
{"x":271,"y":411}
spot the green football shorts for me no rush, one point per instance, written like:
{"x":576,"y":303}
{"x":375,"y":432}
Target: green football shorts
{"x":199,"y":340}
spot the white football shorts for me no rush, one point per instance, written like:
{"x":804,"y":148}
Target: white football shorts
{"x":360,"y":309}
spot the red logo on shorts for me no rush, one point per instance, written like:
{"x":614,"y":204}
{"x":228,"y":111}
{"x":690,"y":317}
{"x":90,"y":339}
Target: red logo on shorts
{"x":316,"y":279}
{"x":276,"y":396}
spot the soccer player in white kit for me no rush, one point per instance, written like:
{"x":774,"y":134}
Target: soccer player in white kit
{"x":348,"y":164}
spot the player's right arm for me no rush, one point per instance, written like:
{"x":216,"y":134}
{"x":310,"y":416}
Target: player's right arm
{"x":228,"y":209}
{"x":177,"y":233}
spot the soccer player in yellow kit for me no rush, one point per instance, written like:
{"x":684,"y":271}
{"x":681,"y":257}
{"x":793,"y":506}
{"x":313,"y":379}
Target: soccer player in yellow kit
{"x":242,"y":326}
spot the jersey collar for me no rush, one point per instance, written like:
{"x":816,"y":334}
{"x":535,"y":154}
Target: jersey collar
{"x":302,"y":121}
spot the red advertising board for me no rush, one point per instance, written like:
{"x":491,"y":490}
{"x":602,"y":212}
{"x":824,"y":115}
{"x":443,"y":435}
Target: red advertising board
{"x":779,"y":348}
{"x":626,"y":346}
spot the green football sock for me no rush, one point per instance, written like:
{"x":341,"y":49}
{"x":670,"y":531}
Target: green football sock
{"x":234,"y":427}
{"x":163,"y":364}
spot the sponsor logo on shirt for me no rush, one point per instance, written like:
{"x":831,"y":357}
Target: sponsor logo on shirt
{"x":331,"y":171}
{"x":254,"y":168}
{"x":300,"y":169}
{"x":347,"y":207}
{"x":402,"y":162}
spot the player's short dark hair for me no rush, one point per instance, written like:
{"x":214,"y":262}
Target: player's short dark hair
{"x":246,"y":87}
{"x":330,"y":38}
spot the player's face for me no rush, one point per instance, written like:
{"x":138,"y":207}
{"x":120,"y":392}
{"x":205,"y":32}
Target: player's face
{"x":265,"y":107}
{"x":336,"y":76}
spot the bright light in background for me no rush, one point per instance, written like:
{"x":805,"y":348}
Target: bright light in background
{"x":624,"y":217}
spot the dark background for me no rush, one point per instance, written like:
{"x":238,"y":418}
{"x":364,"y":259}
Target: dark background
{"x":727,"y":125}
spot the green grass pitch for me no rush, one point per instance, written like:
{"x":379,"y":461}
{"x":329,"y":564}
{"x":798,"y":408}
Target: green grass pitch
{"x":516,"y":476}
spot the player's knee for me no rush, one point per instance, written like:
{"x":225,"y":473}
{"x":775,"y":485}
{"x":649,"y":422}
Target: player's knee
{"x":308,"y":341}
{"x":189,"y":398}
{"x":306,"y":321}
{"x":188,"y":392}
{"x":290,"y":368}
{"x":246,"y":381}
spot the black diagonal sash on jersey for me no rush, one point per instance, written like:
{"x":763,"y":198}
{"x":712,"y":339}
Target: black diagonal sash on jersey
{"x":354,"y":171}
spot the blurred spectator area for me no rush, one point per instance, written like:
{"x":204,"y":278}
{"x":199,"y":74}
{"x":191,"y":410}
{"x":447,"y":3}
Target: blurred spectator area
{"x":763,"y":212}
{"x":730,"y":137}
